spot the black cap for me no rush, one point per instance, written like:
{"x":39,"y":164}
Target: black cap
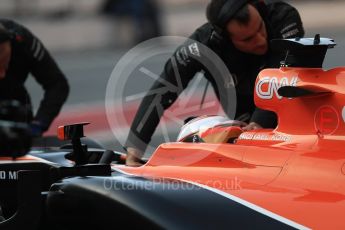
{"x":4,"y":35}
{"x":229,"y":10}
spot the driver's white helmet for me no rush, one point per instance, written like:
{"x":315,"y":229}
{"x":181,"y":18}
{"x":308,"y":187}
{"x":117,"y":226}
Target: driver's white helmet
{"x":200,"y":125}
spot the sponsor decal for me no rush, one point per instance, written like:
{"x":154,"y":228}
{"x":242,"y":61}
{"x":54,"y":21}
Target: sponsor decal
{"x":261,"y":137}
{"x":291,"y":33}
{"x":288,"y":27}
{"x":180,"y":60}
{"x":182,"y":56}
{"x":265,"y":137}
{"x":194,"y":49}
{"x":268,"y":87}
{"x":184,"y":53}
{"x":280,"y":137}
{"x":246,"y":136}
{"x":326,"y":120}
{"x":8,"y":175}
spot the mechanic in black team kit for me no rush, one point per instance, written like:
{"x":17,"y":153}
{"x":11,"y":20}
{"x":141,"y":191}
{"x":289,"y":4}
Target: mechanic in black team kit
{"x":238,"y":31}
{"x":21,"y":53}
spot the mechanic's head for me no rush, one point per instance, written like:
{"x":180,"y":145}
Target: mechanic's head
{"x":5,"y":51}
{"x":245,"y":28}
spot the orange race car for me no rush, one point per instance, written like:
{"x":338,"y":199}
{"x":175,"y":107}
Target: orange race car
{"x":215,"y":176}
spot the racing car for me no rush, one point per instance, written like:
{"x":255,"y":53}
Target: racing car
{"x":215,"y":176}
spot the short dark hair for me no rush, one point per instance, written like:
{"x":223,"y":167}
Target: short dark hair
{"x":4,"y":34}
{"x":214,"y":8}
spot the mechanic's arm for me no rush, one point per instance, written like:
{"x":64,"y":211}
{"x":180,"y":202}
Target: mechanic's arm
{"x":50,"y":77}
{"x":178,"y":72}
{"x":286,"y":24}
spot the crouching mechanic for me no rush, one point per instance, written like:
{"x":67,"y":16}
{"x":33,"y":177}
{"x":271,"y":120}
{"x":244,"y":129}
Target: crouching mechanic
{"x":21,"y":54}
{"x":238,"y":31}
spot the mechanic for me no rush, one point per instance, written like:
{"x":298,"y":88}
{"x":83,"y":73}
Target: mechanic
{"x":21,"y":54}
{"x":238,"y":31}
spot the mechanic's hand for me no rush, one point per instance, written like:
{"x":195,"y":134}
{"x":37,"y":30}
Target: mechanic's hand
{"x":133,"y":157}
{"x":252,"y":126}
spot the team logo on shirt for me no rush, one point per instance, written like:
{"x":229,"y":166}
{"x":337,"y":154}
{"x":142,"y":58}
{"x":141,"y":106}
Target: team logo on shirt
{"x":194,"y":49}
{"x":268,"y":87}
{"x":182,"y":56}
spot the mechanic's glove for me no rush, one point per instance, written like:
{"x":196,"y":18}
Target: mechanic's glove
{"x":252,"y":126}
{"x":37,"y":128}
{"x":133,"y":157}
